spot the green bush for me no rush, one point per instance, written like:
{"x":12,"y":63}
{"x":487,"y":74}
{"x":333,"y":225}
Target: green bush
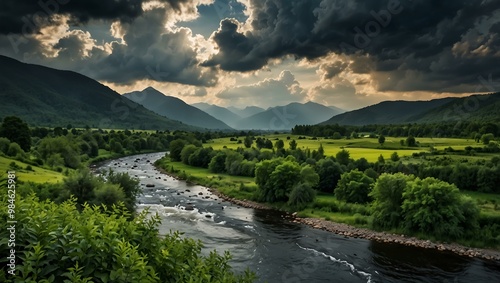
{"x":434,"y":207}
{"x":354,"y":187}
{"x":388,"y":198}
{"x":301,"y":195}
{"x":58,"y":243}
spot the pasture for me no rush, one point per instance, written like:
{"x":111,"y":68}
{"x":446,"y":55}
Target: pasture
{"x":368,"y":148}
{"x":36,"y":174}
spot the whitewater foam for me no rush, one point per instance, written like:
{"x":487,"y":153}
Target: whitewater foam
{"x":351,"y":266}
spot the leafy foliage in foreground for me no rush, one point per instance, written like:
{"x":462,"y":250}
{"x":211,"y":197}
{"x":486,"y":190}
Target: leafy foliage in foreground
{"x":58,"y":243}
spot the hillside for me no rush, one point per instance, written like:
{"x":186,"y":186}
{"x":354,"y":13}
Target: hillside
{"x":221,"y":113}
{"x":175,"y":108}
{"x":286,"y":117}
{"x":388,"y":112}
{"x":484,"y":108}
{"x":44,"y":96}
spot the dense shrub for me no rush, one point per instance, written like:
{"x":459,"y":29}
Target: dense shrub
{"x":354,"y":187}
{"x":61,"y":244}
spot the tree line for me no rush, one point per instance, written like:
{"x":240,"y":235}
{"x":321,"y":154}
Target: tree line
{"x":463,"y":129}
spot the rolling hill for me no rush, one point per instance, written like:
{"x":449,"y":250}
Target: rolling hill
{"x":286,"y":117}
{"x":174,"y":108}
{"x":388,"y":112}
{"x":221,"y":113}
{"x":44,"y":96}
{"x":484,"y":108}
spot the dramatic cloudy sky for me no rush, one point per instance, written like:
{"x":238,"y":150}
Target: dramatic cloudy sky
{"x":347,"y":53}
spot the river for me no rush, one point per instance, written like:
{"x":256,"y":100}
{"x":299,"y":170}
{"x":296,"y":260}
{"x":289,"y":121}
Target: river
{"x":278,"y":250}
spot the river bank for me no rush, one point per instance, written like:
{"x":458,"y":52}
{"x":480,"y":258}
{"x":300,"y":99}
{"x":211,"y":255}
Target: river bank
{"x":355,"y":232}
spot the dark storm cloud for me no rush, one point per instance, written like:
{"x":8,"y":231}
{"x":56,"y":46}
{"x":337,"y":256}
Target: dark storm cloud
{"x":397,"y":35}
{"x":25,"y":16}
{"x":153,"y":53}
{"x":148,"y":51}
{"x":28,"y":16}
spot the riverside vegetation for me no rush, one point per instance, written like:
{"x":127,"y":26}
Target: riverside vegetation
{"x":443,"y":189}
{"x":74,"y":226}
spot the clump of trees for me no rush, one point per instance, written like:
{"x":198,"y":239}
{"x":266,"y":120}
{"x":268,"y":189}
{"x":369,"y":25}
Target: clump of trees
{"x":428,"y":206}
{"x":284,"y":180}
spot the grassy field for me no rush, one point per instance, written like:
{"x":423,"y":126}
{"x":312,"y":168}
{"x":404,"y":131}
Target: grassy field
{"x":37,"y":174}
{"x":368,"y":148}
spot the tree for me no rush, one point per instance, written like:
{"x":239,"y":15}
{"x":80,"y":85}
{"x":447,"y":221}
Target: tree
{"x":343,"y":157}
{"x":354,"y":187}
{"x":263,"y":171}
{"x":66,"y":147}
{"x":201,"y":157}
{"x":362,"y":164}
{"x":387,"y":197}
{"x":268,"y":144}
{"x":309,"y":176}
{"x":320,"y":153}
{"x":381,"y":159}
{"x":233,"y":162}
{"x":175,"y":149}
{"x":279,"y":144}
{"x":108,"y":194}
{"x":129,"y":185}
{"x":248,"y":141}
{"x":16,"y":130}
{"x":395,"y":156}
{"x":301,"y":195}
{"x":217,"y":163}
{"x":293,"y":145}
{"x":381,"y":140}
{"x":115,"y":146}
{"x":82,"y":185}
{"x":329,"y":174}
{"x":411,"y":142}
{"x":434,"y":207}
{"x":14,"y":150}
{"x":186,"y":153}
{"x":283,"y":178}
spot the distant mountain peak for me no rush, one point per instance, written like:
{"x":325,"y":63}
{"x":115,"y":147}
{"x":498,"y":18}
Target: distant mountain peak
{"x":175,"y":108}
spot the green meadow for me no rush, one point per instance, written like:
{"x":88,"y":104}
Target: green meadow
{"x":366,"y":147}
{"x":25,"y":174}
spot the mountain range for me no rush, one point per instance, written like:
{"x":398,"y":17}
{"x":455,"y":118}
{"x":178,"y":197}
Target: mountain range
{"x":476,"y":107}
{"x":286,"y":117}
{"x":44,"y":96}
{"x":176,"y":109}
